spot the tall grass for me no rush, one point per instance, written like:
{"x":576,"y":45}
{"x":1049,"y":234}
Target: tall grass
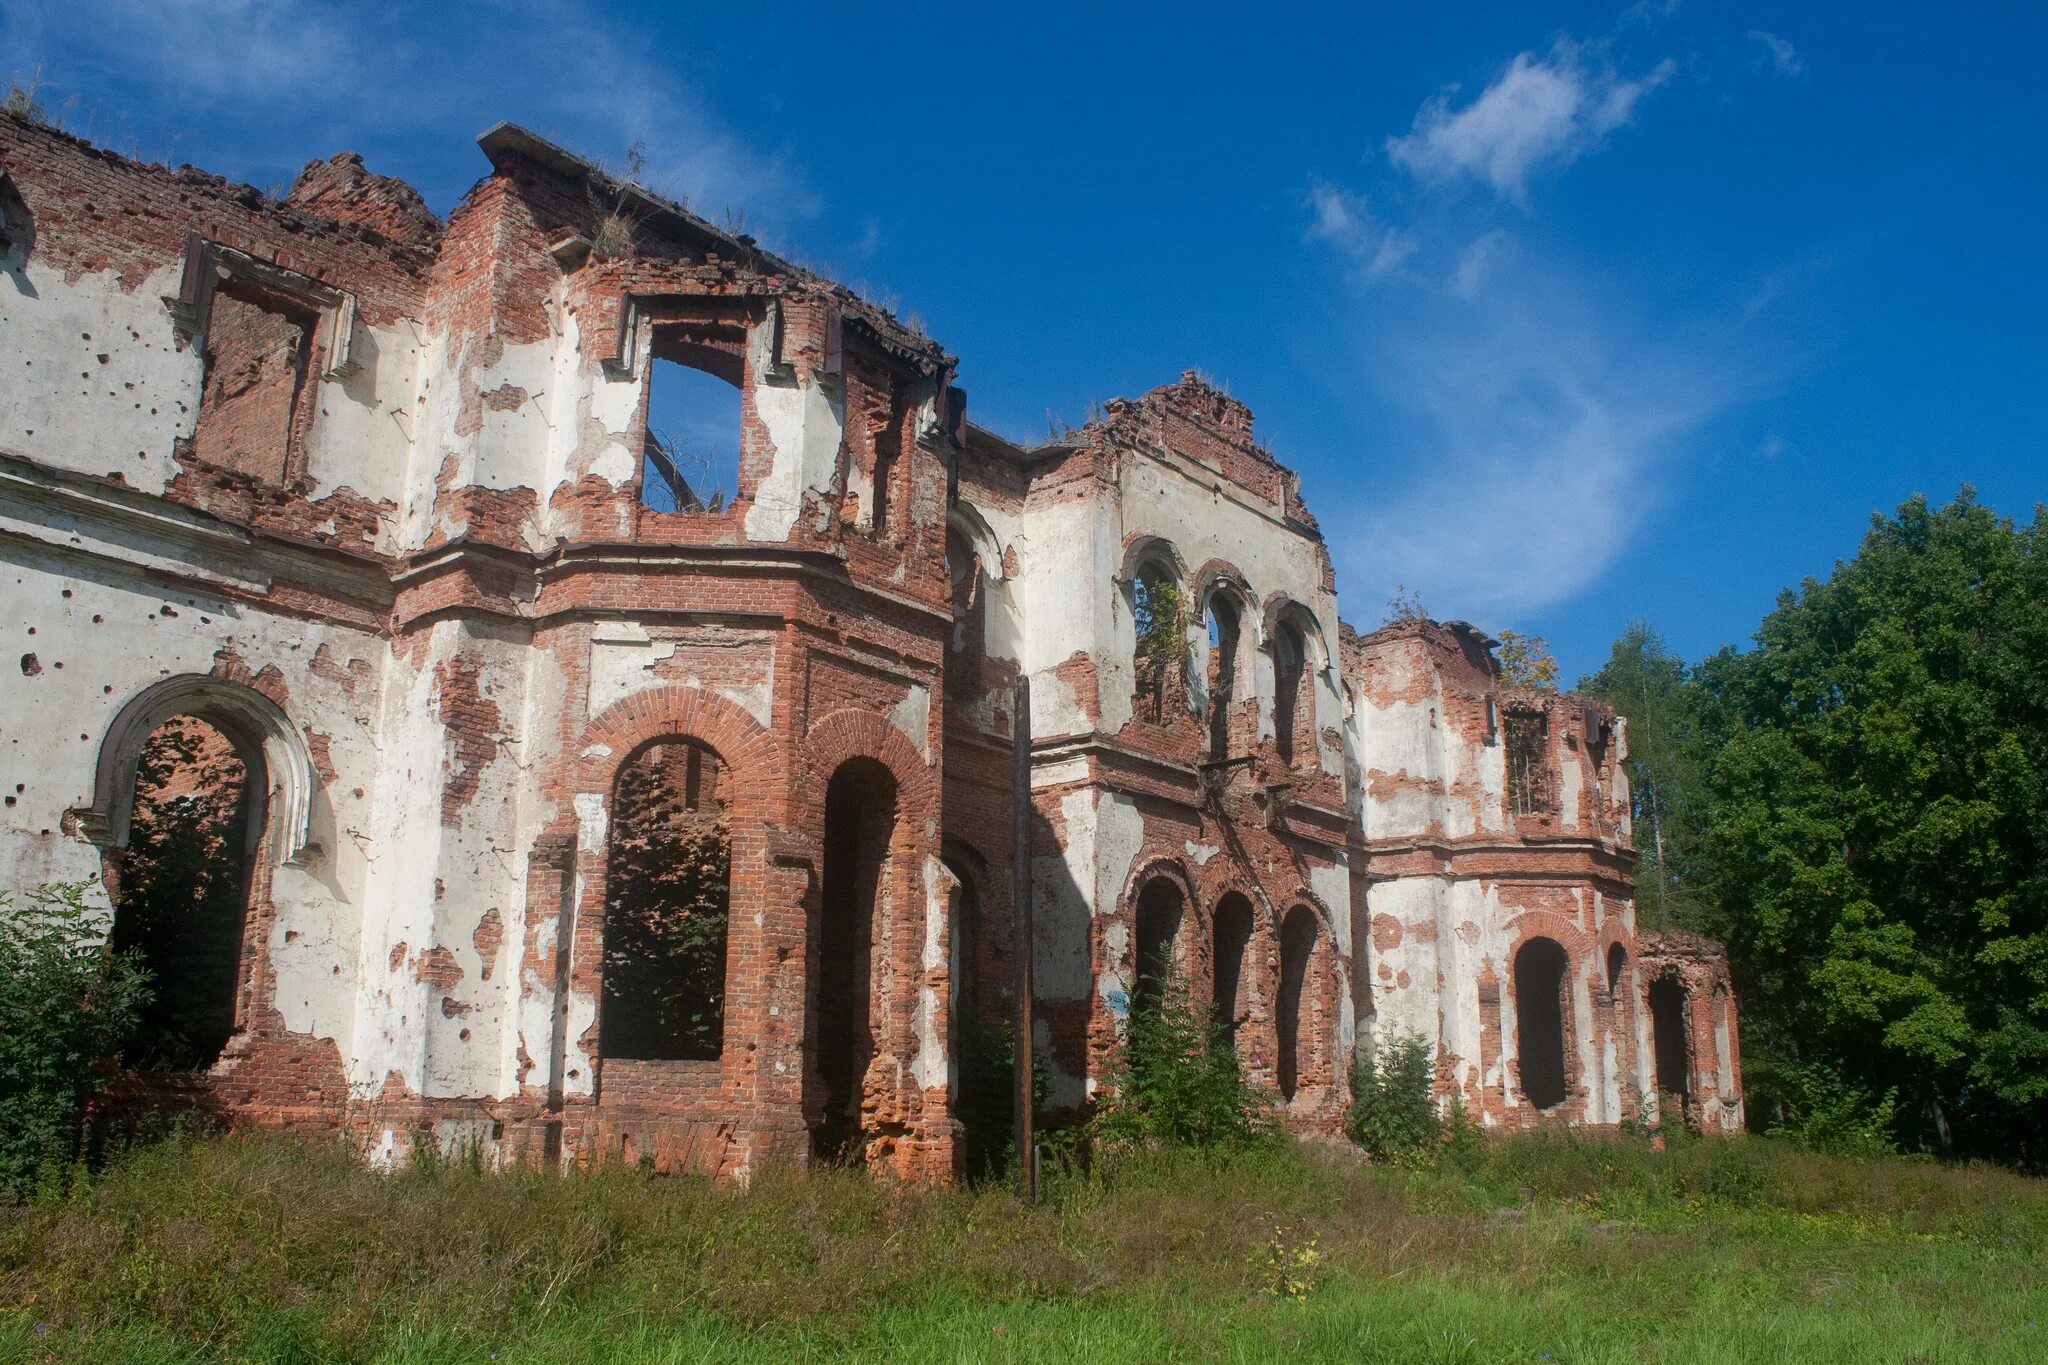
{"x":264,"y":1248}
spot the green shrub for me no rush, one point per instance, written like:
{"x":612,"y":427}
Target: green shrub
{"x":1393,"y":1102}
{"x":67,"y":1001}
{"x":1177,"y":1081}
{"x":1826,"y":1113}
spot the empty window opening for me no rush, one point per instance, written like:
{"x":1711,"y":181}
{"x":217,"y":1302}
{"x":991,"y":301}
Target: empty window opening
{"x":667,"y":883}
{"x":860,"y":821}
{"x":1289,"y":673}
{"x":1159,"y":616}
{"x":1617,"y":963}
{"x":1674,"y":1052}
{"x":1526,"y":737}
{"x":257,"y":349}
{"x":888,"y":453}
{"x":1297,"y":948}
{"x":182,"y":892}
{"x":1158,"y":925}
{"x":1224,"y":632}
{"x":1233,"y":933}
{"x":970,"y":631}
{"x":691,"y":458}
{"x":1539,"y":1021}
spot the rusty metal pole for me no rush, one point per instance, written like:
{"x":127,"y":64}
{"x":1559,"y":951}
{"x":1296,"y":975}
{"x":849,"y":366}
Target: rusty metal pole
{"x":1020,"y":934}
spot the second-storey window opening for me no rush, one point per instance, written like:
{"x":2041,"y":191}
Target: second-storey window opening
{"x":1159,"y":617}
{"x":690,"y":461}
{"x":1289,"y":671}
{"x":1223,"y":640}
{"x":1524,"y":737}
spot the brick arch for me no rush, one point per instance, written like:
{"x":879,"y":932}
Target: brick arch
{"x":678,"y":711}
{"x":1578,"y":944}
{"x":851,"y":733}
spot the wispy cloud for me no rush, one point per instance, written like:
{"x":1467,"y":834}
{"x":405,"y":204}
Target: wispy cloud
{"x":1542,"y":113}
{"x":1544,"y":427}
{"x":1477,"y":261}
{"x":300,"y":76}
{"x":1346,"y":222}
{"x":1778,"y":54}
{"x":1539,"y":412}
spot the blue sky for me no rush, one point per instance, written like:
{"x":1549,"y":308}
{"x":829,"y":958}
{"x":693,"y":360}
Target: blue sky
{"x":1567,"y":314}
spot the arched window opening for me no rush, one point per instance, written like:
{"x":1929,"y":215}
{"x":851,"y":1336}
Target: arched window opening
{"x":1158,"y":925}
{"x":181,"y":891}
{"x":1159,"y":616}
{"x":1539,"y":1021}
{"x":690,"y":461}
{"x":1667,"y":1028}
{"x":1225,"y":630}
{"x":860,"y":821}
{"x":1290,"y":658}
{"x":1297,"y":948}
{"x":970,"y":615}
{"x":667,"y":883}
{"x":1617,"y":963}
{"x":1233,"y":934}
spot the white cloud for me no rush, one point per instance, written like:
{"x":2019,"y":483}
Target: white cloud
{"x":1781,"y":55}
{"x":1346,"y":221}
{"x":1543,"y":112}
{"x":1535,"y":430}
{"x":1477,"y":261}
{"x":296,"y":78}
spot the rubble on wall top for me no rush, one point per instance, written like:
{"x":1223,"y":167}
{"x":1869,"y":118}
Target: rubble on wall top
{"x":504,"y":142}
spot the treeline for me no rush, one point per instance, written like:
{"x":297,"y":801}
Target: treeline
{"x":1858,"y":807}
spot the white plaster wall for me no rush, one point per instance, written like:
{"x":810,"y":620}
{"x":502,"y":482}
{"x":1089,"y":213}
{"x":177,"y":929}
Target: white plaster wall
{"x":1067,"y":555}
{"x":1204,"y":519}
{"x":806,"y":422}
{"x":62,"y":405}
{"x":361,"y":437}
{"x":114,"y":635}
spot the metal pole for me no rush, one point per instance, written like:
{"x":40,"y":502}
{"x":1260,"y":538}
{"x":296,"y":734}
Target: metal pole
{"x":1020,"y":933}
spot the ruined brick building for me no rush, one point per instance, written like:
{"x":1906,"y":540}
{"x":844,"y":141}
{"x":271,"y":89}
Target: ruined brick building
{"x":502,"y":683}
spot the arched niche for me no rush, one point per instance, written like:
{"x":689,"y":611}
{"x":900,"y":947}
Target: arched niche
{"x":258,"y":727}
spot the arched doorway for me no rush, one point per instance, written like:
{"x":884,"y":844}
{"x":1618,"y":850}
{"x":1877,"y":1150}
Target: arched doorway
{"x":860,"y":822}
{"x":1668,"y":1032}
{"x":181,"y":889}
{"x":1297,"y":949}
{"x":1539,"y":1021}
{"x":667,"y":884}
{"x":1233,"y":937}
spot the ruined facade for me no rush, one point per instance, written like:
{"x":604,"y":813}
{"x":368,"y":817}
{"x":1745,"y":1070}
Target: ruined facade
{"x":582,"y":789}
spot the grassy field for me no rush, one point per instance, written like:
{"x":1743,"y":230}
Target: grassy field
{"x":1542,"y":1248}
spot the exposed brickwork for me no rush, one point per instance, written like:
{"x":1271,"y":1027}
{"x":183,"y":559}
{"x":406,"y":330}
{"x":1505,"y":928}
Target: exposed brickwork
{"x":379,"y":480}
